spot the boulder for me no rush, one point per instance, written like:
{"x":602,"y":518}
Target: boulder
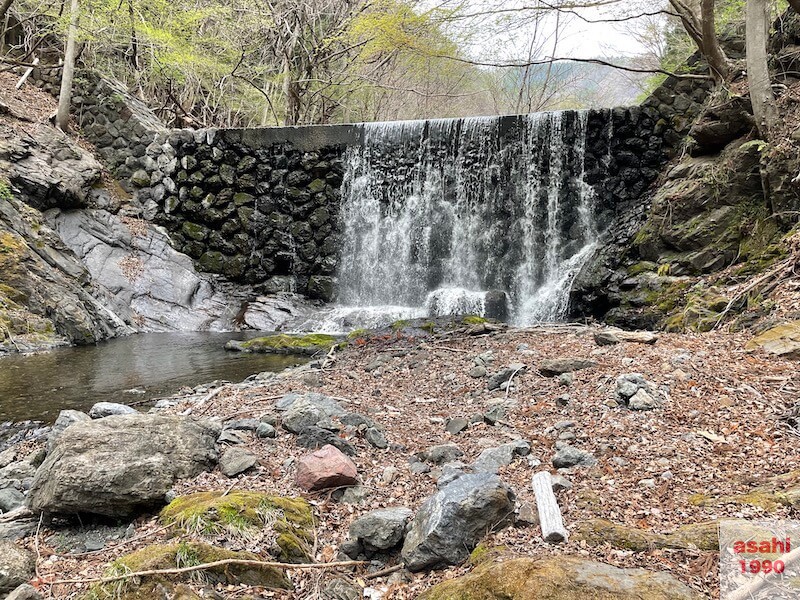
{"x":326,"y":468}
{"x":16,"y":566}
{"x":451,"y":523}
{"x":556,"y":366}
{"x":380,"y":530}
{"x":120,"y":465}
{"x":560,"y":578}
{"x":101,"y":410}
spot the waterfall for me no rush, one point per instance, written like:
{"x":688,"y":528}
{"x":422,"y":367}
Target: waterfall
{"x":435,"y":213}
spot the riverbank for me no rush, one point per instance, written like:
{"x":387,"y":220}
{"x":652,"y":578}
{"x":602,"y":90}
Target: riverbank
{"x":716,"y":436}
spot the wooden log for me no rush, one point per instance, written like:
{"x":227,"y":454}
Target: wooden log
{"x":550,"y":518}
{"x":27,"y":73}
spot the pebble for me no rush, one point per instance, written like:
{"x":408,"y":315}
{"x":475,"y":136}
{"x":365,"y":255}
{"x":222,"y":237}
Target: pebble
{"x":389,"y":475}
{"x":566,"y":379}
{"x":265,"y":430}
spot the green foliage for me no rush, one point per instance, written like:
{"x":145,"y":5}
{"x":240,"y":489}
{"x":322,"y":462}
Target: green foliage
{"x":5,"y":191}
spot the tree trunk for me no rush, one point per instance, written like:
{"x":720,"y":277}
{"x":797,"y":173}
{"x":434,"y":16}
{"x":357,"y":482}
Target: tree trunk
{"x":757,"y":34}
{"x":4,"y":8}
{"x":65,"y":95}
{"x":717,"y":61}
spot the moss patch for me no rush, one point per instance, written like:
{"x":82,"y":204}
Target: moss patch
{"x":473,"y":320}
{"x":171,"y":556}
{"x":245,"y":515}
{"x":286,"y":344}
{"x":598,"y":532}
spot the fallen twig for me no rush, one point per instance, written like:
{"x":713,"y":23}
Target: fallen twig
{"x":211,"y":565}
{"x":383,"y":572}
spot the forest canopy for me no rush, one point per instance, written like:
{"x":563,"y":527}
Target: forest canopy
{"x":273,"y":62}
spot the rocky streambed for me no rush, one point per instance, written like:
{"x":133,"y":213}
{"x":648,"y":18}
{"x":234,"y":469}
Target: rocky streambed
{"x":407,"y":457}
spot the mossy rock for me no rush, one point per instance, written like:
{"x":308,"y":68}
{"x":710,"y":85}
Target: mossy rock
{"x":779,"y":491}
{"x":244,"y":515}
{"x":598,"y":532}
{"x":559,"y":578}
{"x":286,"y":344}
{"x":485,"y":553}
{"x":644,"y":266}
{"x":184,"y":554}
{"x":473,"y":320}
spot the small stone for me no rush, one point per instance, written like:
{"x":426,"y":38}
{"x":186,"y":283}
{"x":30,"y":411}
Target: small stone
{"x":93,"y":544}
{"x":563,"y":400}
{"x":495,"y":414}
{"x":265,"y":430}
{"x":236,"y":460}
{"x":629,"y":384}
{"x":390,"y":474}
{"x":641,"y":400}
{"x":242,"y":424}
{"x":339,"y":589}
{"x":356,"y":494}
{"x":25,"y":592}
{"x":647,"y":483}
{"x":232,"y":436}
{"x":315,"y":437}
{"x":441,"y":454}
{"x":326,"y":468}
{"x":528,"y":515}
{"x":270,"y":419}
{"x":418,"y":467}
{"x":605,"y":338}
{"x":566,"y":379}
{"x":376,"y":438}
{"x":566,"y":436}
{"x":560,"y":483}
{"x":569,"y":456}
{"x":457,"y":425}
{"x":16,"y":566}
{"x":108,"y":409}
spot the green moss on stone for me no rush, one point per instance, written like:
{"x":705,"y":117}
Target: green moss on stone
{"x":243,"y":515}
{"x":473,"y":320}
{"x":171,"y":556}
{"x":289,"y":344}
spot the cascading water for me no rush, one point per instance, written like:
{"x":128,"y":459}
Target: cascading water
{"x":435,"y":213}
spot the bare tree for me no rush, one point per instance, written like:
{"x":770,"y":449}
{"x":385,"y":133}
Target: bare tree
{"x":68,"y":72}
{"x":758,"y":78}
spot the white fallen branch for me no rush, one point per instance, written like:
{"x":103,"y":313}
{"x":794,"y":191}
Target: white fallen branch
{"x":550,"y":518}
{"x":28,"y":72}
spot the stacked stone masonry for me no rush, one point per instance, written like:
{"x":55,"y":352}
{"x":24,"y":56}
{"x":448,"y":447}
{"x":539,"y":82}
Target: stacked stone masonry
{"x":261,"y":206}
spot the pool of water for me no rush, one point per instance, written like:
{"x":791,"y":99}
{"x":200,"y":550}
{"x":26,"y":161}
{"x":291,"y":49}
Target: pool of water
{"x":154,"y":365}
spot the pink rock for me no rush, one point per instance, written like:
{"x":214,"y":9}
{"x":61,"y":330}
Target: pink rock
{"x":325,"y":468}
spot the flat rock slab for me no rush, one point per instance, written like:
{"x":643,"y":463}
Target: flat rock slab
{"x":783,"y":340}
{"x":121,"y":465}
{"x":610,"y":337}
{"x":556,"y":366}
{"x":560,"y":578}
{"x":236,"y":460}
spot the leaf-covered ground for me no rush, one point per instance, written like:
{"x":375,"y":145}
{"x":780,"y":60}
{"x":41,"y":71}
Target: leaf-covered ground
{"x":719,"y":433}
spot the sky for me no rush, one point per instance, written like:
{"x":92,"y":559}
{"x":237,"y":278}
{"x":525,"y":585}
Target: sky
{"x":579,"y":39}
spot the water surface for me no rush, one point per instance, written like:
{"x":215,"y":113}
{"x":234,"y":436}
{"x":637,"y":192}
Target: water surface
{"x":157,"y":364}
